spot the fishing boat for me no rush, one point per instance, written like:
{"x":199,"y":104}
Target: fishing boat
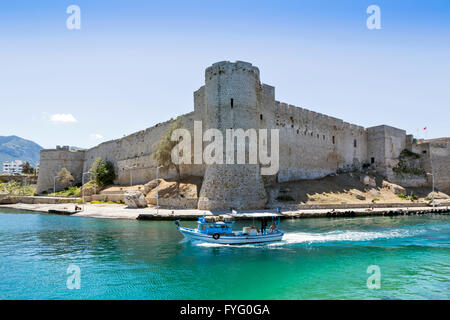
{"x":219,"y":229}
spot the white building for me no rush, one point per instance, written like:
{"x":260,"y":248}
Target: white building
{"x":13,"y":167}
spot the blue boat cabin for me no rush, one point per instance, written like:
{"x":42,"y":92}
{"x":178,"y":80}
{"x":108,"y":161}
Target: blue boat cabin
{"x":220,"y":227}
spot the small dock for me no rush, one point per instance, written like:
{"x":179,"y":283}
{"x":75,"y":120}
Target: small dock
{"x":62,"y":212}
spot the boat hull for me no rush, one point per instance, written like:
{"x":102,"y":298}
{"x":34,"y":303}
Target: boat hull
{"x":192,"y":234}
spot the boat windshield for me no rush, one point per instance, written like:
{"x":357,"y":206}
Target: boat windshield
{"x":215,"y":227}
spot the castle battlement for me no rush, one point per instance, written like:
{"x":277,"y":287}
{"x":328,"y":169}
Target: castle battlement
{"x":224,"y":67}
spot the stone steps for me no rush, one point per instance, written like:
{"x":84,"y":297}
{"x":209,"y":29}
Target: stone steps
{"x":115,"y":192}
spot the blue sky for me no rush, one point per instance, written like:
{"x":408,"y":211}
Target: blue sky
{"x":136,"y":63}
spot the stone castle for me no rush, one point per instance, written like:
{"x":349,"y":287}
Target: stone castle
{"x":312,"y":145}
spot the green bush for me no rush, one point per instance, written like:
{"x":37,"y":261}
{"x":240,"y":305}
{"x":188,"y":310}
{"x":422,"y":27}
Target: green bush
{"x":405,"y":197}
{"x":103,"y":171}
{"x":409,"y":154}
{"x":285,"y":198}
{"x":92,"y":184}
{"x":68,"y":192}
{"x":404,"y":165}
{"x":14,"y":188}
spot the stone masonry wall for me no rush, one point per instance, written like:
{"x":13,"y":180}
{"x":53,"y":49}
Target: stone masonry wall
{"x":313,"y":145}
{"x":133,"y":154}
{"x":385,"y":144}
{"x":52,"y":161}
{"x":436,"y":161}
{"x":440,"y":159}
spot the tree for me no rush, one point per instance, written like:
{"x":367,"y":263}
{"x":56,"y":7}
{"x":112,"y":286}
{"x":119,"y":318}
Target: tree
{"x":163,"y":149}
{"x":27,"y":168}
{"x":103,"y":172}
{"x":65,"y":178}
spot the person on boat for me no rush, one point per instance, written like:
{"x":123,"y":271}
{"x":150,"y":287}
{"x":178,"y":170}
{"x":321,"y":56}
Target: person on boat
{"x":273,"y":226}
{"x":263,"y":226}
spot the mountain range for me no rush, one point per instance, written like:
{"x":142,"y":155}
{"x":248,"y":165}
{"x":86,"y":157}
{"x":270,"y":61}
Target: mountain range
{"x":16,"y":148}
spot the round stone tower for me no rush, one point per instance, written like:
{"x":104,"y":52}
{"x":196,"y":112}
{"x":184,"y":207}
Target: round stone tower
{"x":232,"y":97}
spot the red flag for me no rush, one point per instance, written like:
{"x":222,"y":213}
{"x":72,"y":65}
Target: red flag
{"x":425,"y":128}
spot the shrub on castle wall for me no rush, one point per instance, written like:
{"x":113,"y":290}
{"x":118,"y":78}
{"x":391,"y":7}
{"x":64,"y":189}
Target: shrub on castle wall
{"x":285,"y":198}
{"x":163,"y":148}
{"x":65,"y":178}
{"x":103,"y":171}
{"x":409,"y":164}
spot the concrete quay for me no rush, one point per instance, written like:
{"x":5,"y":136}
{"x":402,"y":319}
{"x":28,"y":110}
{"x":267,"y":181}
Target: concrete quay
{"x":117,"y":211}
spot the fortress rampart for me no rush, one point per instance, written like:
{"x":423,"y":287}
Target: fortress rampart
{"x":312,"y":145}
{"x":52,"y":161}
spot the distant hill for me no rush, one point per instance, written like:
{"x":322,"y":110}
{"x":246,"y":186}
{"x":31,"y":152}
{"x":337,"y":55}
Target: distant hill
{"x":16,"y":148}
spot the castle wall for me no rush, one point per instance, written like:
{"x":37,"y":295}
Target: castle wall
{"x":133,"y":154}
{"x":52,"y":161}
{"x":385,"y":144}
{"x":200,"y":104}
{"x":440,"y":161}
{"x":313,"y":145}
{"x":436,"y":160}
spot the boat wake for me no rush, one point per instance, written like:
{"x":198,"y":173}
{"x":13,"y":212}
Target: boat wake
{"x":338,"y":236}
{"x":291,"y":238}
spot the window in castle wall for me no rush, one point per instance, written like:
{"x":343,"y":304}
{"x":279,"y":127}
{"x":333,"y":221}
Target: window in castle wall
{"x":312,"y":133}
{"x":318,"y":136}
{"x":354,"y":143}
{"x":334,"y":140}
{"x":372,"y":160}
{"x":261,"y":116}
{"x":323,"y":137}
{"x":232,"y":103}
{"x":298,"y":131}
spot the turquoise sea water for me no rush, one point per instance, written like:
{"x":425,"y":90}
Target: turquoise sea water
{"x":318,"y":259}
